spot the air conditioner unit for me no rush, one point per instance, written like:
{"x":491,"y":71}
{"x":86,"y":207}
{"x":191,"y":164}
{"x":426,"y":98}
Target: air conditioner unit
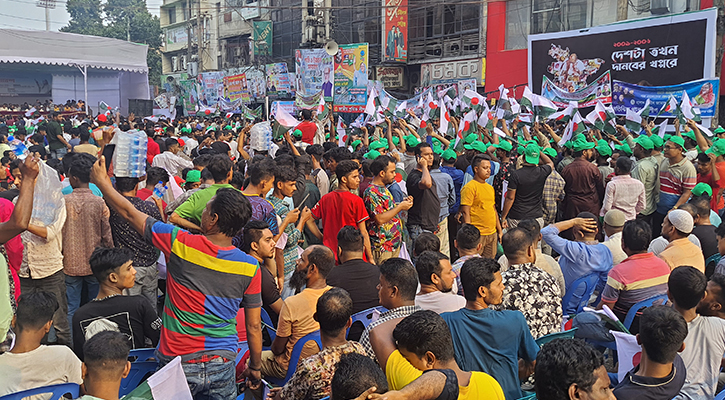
{"x":174,"y":63}
{"x":433,"y":49}
{"x":452,"y":47}
{"x":192,"y":68}
{"x":183,"y":63}
{"x":470,"y":45}
{"x":659,"y":7}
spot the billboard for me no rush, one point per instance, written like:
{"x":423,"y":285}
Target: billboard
{"x":702,"y":93}
{"x":235,"y":88}
{"x":351,"y":78}
{"x":278,"y":82}
{"x":315,"y":72}
{"x":395,"y":30}
{"x":212,"y":87}
{"x":262,"y":33}
{"x":651,"y":52}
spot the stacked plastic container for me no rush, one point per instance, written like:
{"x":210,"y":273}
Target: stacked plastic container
{"x":129,"y":158}
{"x":260,"y":136}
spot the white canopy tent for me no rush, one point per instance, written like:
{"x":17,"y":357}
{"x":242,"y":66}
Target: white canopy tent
{"x":85,"y":67}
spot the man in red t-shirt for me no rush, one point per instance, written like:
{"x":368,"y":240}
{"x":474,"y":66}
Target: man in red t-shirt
{"x":341,"y":208}
{"x":307,"y":127}
{"x":711,"y":170}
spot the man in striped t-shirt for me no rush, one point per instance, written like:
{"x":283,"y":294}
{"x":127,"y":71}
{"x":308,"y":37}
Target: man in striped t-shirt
{"x":208,"y":280}
{"x":640,"y":276}
{"x":677,"y":178}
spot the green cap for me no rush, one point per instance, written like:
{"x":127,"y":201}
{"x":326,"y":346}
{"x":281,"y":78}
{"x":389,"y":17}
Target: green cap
{"x":412,"y":141}
{"x":531,"y":154}
{"x":449,"y":155}
{"x":396,"y":140}
{"x":376,"y":145}
{"x":569,"y":144}
{"x":193,"y":176}
{"x":718,"y":148}
{"x":657,"y":141}
{"x":678,"y":141}
{"x":689,"y":134}
{"x":504,"y":145}
{"x":624,"y":148}
{"x":582,"y":144}
{"x":666,"y":138}
{"x":603,"y":148}
{"x":549,"y":151}
{"x":228,"y":127}
{"x":472,"y":137}
{"x":477,"y":145}
{"x":438,"y":150}
{"x":355,"y":143}
{"x":297,"y":133}
{"x":701,"y":188}
{"x":372,"y":154}
{"x":645,"y":142}
{"x":719,"y":129}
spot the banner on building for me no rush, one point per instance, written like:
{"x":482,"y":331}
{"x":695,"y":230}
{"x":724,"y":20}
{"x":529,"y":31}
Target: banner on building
{"x":395,"y":30}
{"x":450,"y":72}
{"x":189,"y":95}
{"x":287,"y":106}
{"x":262,"y":35}
{"x":256,"y":83}
{"x":599,"y":90}
{"x":315,"y":72}
{"x":392,"y":77}
{"x":278,"y":82}
{"x":702,"y":94}
{"x":22,"y":84}
{"x":351,"y":78}
{"x":235,"y":88}
{"x":212,"y":86}
{"x":650,"y":52}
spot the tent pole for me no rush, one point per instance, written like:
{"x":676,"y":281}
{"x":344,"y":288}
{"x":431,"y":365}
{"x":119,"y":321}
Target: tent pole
{"x":85,"y":87}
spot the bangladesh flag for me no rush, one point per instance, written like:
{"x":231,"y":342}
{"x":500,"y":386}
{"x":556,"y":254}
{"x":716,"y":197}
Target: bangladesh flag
{"x":444,"y":120}
{"x":577,"y":124}
{"x":633,"y":120}
{"x":688,"y":111}
{"x":669,"y":107}
{"x":486,"y":117}
{"x":283,"y":122}
{"x":644,"y":111}
{"x":527,"y":100}
{"x":660,"y":129}
{"x":565,"y":114}
{"x":168,"y":383}
{"x":473,"y":100}
{"x":465,"y":128}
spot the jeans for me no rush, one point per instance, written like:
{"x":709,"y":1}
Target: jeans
{"x":212,"y":380}
{"x":54,"y":284}
{"x":59,"y":153}
{"x":74,"y":286}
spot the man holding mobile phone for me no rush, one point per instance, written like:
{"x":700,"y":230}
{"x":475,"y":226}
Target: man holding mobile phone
{"x":423,"y":215}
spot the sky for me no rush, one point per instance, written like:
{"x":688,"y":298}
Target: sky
{"x":24,"y":14}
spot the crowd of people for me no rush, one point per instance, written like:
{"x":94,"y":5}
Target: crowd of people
{"x":463,"y":257}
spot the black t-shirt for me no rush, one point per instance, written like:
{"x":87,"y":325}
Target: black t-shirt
{"x":131,"y":315}
{"x":528,"y":181}
{"x":270,"y":294}
{"x":360,"y":279}
{"x":708,"y":241}
{"x":426,"y":205}
{"x":36,"y":148}
{"x":648,"y":388}
{"x":9,"y":194}
{"x":221,"y":148}
{"x":462,"y":163}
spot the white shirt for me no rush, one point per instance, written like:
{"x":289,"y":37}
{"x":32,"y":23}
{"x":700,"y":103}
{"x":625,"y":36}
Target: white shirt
{"x":46,"y":365}
{"x":172,"y":163}
{"x":43,"y":257}
{"x":704,"y":348}
{"x":614,"y":243}
{"x":440,"y":302}
{"x":189,"y":145}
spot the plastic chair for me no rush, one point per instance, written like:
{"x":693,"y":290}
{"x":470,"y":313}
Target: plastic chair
{"x":365,"y":317}
{"x":638,"y":306}
{"x":295,"y":357}
{"x":556,"y":335}
{"x":711,"y":263}
{"x":590,"y":282}
{"x":140,"y":370}
{"x":142,"y":354}
{"x":57,"y":392}
{"x":720,"y":396}
{"x":529,"y":397}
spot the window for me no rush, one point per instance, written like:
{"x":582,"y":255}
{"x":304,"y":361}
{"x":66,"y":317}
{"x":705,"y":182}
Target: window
{"x":172,"y":15}
{"x":437,"y":19}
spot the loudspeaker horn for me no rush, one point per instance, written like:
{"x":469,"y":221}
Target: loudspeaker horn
{"x":331,"y":48}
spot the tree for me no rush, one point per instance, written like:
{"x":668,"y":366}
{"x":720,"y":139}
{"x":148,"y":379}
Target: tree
{"x":119,"y":19}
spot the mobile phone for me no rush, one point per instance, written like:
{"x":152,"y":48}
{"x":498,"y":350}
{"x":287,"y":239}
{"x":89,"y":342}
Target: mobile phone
{"x":265,"y":389}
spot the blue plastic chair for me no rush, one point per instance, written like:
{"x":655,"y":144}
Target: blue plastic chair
{"x":720,"y":396}
{"x":556,"y":335}
{"x":57,"y":391}
{"x":295,"y":357}
{"x":529,"y":397}
{"x":590,"y":282}
{"x":365,"y":317}
{"x":267,"y":321}
{"x":141,"y":369}
{"x":638,"y":306}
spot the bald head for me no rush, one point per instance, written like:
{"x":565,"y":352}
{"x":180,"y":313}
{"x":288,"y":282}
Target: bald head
{"x":516,"y":241}
{"x":322,"y":257}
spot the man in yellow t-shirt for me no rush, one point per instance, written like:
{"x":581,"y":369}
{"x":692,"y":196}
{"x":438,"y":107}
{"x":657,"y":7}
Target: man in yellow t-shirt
{"x":478,"y":206}
{"x":424,"y":343}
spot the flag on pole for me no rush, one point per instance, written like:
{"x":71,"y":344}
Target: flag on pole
{"x":283,"y":122}
{"x":168,"y":383}
{"x":543,"y":107}
{"x":503,"y":101}
{"x":527,"y":100}
{"x":644,"y":111}
{"x":660,"y":129}
{"x":568,"y":134}
{"x":431,"y":107}
{"x":466,"y":127}
{"x":444,"y":120}
{"x":341,"y":133}
{"x":633,"y":120}
{"x":688,"y":111}
{"x":563,"y":115}
{"x":577,"y":124}
{"x":628,"y":351}
{"x":669,"y":107}
{"x":401,"y":109}
{"x":370,"y":106}
{"x":472,"y":99}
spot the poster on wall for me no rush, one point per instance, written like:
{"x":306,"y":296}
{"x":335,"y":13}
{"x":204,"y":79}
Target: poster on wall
{"x":189,"y":95}
{"x":391,"y":77}
{"x":278,"y":83}
{"x":351,"y":78}
{"x":235,"y":88}
{"x":702,"y":94}
{"x":650,"y":52}
{"x":19,"y":84}
{"x":395,"y":30}
{"x":262,"y":34}
{"x":314,"y":68}
{"x":599,"y":90}
{"x":212,"y":86}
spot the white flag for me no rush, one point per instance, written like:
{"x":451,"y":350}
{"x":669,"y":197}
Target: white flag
{"x":370,"y":106}
{"x":567,"y":134}
{"x":445,"y":118}
{"x":628,"y":352}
